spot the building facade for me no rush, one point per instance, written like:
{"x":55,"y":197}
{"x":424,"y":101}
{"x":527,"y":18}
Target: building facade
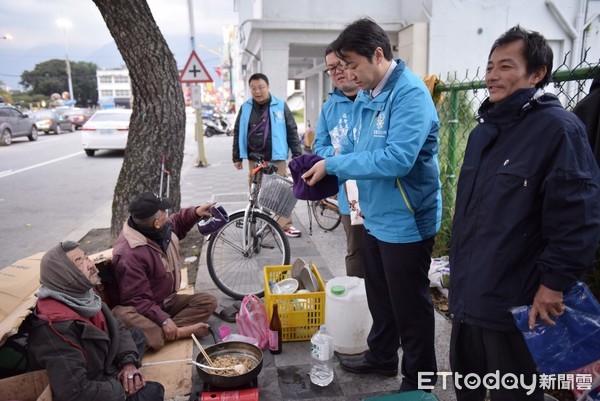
{"x":287,"y":40}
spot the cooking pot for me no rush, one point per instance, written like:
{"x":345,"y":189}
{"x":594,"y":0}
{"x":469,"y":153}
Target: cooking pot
{"x":249,"y":351}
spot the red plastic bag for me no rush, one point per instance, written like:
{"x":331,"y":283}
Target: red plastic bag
{"x":252,"y":320}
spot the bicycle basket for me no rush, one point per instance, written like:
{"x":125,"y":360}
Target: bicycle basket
{"x":276,"y":195}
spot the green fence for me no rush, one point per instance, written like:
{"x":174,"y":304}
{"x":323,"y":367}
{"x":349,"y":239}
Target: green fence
{"x":460,"y":99}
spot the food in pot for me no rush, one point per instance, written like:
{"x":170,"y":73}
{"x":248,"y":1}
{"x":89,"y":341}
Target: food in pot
{"x":230,"y":361}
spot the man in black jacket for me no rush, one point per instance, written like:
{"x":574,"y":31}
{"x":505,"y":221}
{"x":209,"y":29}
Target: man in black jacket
{"x":527,"y":217}
{"x":588,"y":109}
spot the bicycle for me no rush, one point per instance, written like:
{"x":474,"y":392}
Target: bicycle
{"x":327,"y":213}
{"x":250,"y":240}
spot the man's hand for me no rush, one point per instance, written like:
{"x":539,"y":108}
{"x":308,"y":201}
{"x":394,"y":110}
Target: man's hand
{"x":131,"y":379}
{"x":238,"y":165}
{"x":546,"y":303}
{"x":170,"y":330}
{"x":316,"y":173}
{"x":204,"y":209}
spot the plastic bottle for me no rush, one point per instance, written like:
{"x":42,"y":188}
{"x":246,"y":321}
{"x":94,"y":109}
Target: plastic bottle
{"x":275,"y":332}
{"x":321,"y":350}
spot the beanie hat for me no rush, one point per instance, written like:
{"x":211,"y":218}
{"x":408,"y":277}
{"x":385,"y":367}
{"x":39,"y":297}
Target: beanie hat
{"x":328,"y":186}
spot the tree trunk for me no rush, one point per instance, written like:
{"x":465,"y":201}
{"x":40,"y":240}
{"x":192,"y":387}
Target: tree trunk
{"x":157,"y":126}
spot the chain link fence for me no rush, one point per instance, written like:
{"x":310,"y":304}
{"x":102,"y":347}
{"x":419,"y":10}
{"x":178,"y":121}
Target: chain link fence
{"x":459,"y":101}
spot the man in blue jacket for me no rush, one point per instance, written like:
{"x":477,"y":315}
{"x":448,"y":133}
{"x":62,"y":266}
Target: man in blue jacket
{"x":332,"y":130}
{"x":527,"y":216}
{"x":392,"y":154}
{"x":266,"y":126}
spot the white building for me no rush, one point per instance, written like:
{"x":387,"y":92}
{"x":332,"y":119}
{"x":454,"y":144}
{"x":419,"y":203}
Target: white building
{"x":114,"y":87}
{"x":286,"y":40}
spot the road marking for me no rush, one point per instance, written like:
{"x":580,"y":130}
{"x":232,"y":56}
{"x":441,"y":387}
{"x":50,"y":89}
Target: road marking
{"x":13,"y":172}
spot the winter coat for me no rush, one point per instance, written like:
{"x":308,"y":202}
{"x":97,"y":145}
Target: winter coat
{"x":527,"y":209}
{"x":147,"y":276}
{"x":588,"y":109}
{"x":82,"y":361}
{"x":392,"y":153}
{"x":332,"y":130}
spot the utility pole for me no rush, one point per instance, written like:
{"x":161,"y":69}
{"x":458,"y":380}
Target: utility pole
{"x":197,"y":94}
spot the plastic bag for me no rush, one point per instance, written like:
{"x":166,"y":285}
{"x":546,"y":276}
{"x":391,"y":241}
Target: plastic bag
{"x":252,"y":320}
{"x":356,"y":217}
{"x":573,"y":342}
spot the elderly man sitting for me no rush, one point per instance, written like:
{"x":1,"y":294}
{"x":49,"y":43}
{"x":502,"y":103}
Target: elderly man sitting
{"x":146,"y":264}
{"x":88,"y":353}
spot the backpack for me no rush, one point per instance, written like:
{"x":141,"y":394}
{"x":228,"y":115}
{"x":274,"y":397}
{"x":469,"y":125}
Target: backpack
{"x":13,"y":353}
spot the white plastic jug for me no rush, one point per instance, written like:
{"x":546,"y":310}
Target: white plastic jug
{"x":347,"y":315}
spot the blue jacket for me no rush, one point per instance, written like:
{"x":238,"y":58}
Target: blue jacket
{"x":392,"y":153}
{"x":279,"y":141}
{"x":527,"y":209}
{"x":332,"y":130}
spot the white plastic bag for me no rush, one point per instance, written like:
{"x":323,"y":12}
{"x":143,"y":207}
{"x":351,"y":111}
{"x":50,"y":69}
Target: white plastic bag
{"x":352,"y":193}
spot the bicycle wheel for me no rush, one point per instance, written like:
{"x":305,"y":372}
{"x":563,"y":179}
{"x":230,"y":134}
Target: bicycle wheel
{"x":326,"y":214}
{"x":237,"y":270}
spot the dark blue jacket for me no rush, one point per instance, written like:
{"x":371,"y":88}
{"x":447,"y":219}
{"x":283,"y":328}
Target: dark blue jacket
{"x":527,"y":208}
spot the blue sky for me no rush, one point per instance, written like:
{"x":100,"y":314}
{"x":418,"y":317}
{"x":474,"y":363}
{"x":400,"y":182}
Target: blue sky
{"x":36,"y":36}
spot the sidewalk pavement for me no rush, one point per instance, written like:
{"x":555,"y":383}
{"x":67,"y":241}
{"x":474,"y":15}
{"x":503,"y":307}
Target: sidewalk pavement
{"x":285,"y":376}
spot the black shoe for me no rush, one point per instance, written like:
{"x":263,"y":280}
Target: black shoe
{"x":360,"y":365}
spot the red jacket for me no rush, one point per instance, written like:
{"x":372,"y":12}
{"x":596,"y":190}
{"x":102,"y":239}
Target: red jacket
{"x":146,"y":276}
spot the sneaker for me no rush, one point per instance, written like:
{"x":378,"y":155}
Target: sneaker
{"x":292,"y":232}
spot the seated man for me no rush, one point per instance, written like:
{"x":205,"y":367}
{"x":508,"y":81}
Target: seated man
{"x":146,"y":265}
{"x":88,"y":353}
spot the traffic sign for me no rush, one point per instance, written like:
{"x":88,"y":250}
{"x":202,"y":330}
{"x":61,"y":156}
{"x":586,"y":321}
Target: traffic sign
{"x":194,"y":71}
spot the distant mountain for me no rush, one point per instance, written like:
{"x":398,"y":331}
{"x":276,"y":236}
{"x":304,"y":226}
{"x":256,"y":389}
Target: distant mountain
{"x":14,"y":64}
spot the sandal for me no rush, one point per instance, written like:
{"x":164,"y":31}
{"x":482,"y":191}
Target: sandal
{"x":228,"y":313}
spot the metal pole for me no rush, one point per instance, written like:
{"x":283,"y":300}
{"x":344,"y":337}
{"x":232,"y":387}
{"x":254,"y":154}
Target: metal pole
{"x":71,"y":98}
{"x":192,"y":29}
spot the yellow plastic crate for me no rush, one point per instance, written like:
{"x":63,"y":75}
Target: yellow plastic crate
{"x":300,"y":314}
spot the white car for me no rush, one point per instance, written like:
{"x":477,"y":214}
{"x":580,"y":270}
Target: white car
{"x":106,"y":129}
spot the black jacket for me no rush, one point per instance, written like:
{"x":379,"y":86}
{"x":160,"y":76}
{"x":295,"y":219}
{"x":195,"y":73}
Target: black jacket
{"x":527,"y":209}
{"x":588,"y":109}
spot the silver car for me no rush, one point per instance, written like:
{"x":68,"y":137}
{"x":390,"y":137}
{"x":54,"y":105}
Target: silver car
{"x":13,"y":123}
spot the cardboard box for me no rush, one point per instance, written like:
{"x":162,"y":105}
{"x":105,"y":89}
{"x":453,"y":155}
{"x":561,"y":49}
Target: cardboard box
{"x":18,"y":284}
{"x":32,"y":386}
{"x":171,"y":367}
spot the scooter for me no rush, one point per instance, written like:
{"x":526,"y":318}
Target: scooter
{"x":217,"y":125}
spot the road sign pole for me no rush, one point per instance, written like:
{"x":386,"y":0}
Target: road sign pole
{"x":196,"y":94}
{"x":194,"y":72}
{"x":201,"y":156}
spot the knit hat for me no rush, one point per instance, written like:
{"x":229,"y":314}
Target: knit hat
{"x":217,"y":220}
{"x":328,"y":186}
{"x":147,"y":203}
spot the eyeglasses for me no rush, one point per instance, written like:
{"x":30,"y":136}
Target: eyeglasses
{"x":335,"y":69}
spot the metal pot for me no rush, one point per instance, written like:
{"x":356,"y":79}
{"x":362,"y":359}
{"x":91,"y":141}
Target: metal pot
{"x":225,"y":348}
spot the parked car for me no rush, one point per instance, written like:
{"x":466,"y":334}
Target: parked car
{"x":52,"y":121}
{"x":13,"y":123}
{"x":77,"y":116}
{"x":106,"y":129}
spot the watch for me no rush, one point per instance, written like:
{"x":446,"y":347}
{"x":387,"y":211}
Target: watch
{"x":165,"y":322}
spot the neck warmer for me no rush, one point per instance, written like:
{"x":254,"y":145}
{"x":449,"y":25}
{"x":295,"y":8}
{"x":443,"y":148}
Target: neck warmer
{"x":162,"y":236}
{"x":87,"y":307}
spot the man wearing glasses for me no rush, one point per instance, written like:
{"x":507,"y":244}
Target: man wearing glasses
{"x":392,"y":154}
{"x":265,"y":125}
{"x":332,"y":130}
